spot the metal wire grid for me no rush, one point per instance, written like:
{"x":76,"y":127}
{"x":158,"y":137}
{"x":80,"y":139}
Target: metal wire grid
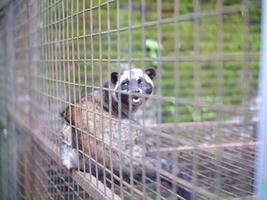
{"x":39,"y":176}
{"x":74,"y":53}
{"x":2,"y":77}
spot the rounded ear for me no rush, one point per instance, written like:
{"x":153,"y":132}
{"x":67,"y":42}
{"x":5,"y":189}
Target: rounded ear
{"x":151,"y":73}
{"x":114,"y":77}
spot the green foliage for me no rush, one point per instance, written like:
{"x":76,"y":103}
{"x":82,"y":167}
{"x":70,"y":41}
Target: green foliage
{"x":181,"y":79}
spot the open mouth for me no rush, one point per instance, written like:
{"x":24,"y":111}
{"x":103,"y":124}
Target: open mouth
{"x":136,"y":100}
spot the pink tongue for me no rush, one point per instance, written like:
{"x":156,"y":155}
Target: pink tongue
{"x":136,"y":99}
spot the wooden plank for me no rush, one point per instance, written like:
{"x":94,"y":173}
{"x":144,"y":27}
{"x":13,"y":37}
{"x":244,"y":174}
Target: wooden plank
{"x":94,"y":187}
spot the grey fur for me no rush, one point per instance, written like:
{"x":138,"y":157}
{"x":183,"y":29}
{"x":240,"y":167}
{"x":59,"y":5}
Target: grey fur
{"x":121,"y":137}
{"x":112,"y":138}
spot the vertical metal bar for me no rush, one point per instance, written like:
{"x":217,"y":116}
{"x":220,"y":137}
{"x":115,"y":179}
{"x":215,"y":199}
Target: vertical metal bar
{"x":9,"y":26}
{"x":197,"y":69}
{"x":130,"y":55}
{"x":73,"y":67}
{"x":159,"y":100}
{"x":44,"y":57}
{"x":49,"y":53}
{"x":143,"y":47}
{"x":219,"y":46}
{"x":197,"y":50}
{"x":78,"y":48}
{"x":219,"y":86}
{"x":245,"y":61}
{"x":85,"y":69}
{"x":261,"y":175}
{"x":119,"y":100}
{"x":102,"y":91}
{"x":93,"y":79}
{"x":60,"y":79}
{"x":31,"y":67}
{"x":77,"y":64}
{"x":63,"y":57}
{"x":4,"y":96}
{"x":29,"y":57}
{"x":3,"y":165}
{"x":56,"y":104}
{"x":176,"y":87}
{"x":109,"y":97}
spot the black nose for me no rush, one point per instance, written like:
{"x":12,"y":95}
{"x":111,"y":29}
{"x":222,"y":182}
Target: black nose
{"x":136,"y":90}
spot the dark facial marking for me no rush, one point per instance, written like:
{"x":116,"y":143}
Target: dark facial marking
{"x":114,"y":77}
{"x":147,"y":88}
{"x":140,"y":80}
{"x":131,"y":88}
{"x":151,"y":73}
{"x":125,"y":85}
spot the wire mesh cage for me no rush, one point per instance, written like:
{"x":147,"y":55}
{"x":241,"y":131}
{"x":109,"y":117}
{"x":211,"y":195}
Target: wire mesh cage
{"x":64,"y":67}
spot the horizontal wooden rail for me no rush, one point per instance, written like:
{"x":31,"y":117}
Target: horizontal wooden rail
{"x":90,"y":184}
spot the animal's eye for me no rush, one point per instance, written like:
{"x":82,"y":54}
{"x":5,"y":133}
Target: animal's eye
{"x":139,"y":80}
{"x":125,"y":83}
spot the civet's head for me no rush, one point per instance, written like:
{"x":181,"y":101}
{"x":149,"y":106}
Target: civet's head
{"x":130,"y":84}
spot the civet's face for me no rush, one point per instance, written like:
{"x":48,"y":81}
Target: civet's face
{"x":131,"y":84}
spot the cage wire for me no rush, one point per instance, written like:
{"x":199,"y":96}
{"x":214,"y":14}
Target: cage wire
{"x":201,"y":115}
